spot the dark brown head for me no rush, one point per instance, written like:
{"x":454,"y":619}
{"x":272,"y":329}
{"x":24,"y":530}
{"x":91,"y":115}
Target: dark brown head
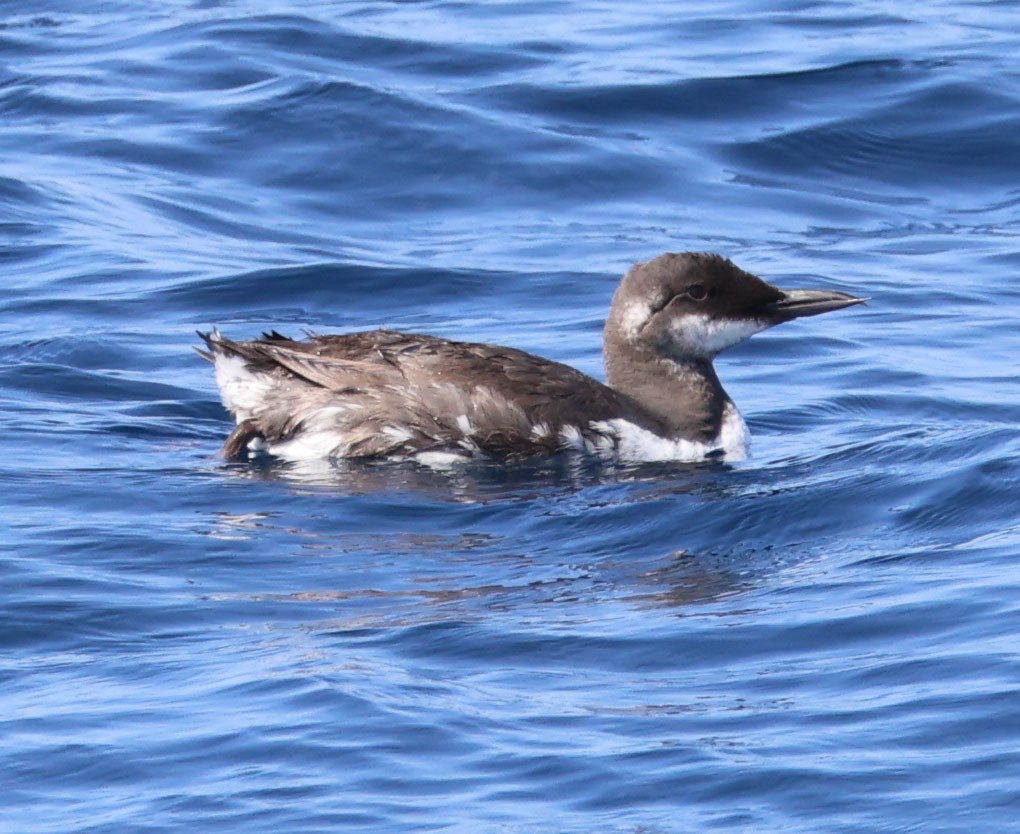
{"x":692,"y":306}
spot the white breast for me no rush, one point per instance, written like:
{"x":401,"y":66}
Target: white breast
{"x":623,"y":440}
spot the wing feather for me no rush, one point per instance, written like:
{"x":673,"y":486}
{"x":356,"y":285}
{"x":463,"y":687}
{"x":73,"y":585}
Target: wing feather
{"x":411,"y":392}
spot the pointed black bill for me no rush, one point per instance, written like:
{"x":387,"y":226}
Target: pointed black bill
{"x":795,"y":304}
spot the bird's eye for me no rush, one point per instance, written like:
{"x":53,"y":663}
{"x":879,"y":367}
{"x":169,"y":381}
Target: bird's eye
{"x":697,"y":292}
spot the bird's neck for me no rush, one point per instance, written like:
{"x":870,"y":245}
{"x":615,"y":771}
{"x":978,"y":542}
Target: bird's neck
{"x":685,"y":395}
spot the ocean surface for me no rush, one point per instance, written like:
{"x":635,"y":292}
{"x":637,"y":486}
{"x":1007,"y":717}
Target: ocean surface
{"x":822,"y":638}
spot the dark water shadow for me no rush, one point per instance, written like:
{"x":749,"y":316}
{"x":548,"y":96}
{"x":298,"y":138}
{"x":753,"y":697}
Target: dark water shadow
{"x":474,"y":481}
{"x":542,"y":539}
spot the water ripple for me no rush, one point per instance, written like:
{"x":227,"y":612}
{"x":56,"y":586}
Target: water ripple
{"x":824,"y":631}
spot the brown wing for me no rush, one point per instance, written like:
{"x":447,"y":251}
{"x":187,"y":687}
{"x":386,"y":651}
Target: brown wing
{"x":540,"y":386}
{"x":507,"y":402}
{"x":505,"y":392}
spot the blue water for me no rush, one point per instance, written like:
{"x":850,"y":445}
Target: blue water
{"x":824,"y":638}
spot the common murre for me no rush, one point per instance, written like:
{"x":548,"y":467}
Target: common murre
{"x":401,"y":395}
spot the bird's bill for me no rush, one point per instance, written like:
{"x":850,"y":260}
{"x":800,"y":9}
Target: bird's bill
{"x":796,"y":304}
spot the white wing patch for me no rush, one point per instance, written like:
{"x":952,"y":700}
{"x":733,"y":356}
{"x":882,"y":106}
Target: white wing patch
{"x":398,"y":434}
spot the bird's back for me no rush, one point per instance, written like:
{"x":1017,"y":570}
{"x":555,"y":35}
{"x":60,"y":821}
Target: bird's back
{"x":382,"y":393}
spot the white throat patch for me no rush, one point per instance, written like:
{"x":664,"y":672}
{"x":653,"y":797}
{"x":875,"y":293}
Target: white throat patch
{"x":698,"y":335}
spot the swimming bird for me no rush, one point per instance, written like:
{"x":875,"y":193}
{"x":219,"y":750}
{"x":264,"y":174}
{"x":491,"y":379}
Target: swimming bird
{"x":402,"y":395}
